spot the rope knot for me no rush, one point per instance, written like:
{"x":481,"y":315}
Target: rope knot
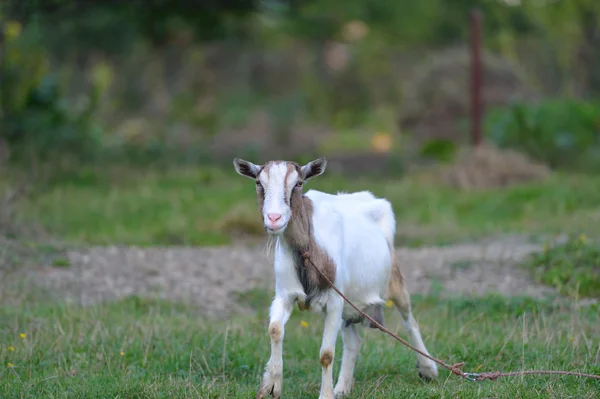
{"x":455,"y":368}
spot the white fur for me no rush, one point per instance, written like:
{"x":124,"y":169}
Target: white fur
{"x":357,"y":231}
{"x":275,"y":194}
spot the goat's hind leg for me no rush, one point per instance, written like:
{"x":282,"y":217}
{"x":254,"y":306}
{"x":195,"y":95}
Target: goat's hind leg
{"x":399,"y":295}
{"x":352,"y":342}
{"x":280,"y":312}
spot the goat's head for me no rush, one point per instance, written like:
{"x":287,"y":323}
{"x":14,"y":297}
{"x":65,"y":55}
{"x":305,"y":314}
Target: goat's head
{"x":279,"y":187}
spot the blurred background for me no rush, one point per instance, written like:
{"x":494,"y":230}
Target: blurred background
{"x":98,"y":94}
{"x":478,"y":119}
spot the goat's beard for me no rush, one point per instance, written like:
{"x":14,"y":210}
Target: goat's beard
{"x":270,"y":246}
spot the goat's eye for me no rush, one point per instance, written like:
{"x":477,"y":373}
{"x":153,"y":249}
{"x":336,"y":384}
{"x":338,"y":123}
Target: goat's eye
{"x":299,"y":184}
{"x":258,"y":183}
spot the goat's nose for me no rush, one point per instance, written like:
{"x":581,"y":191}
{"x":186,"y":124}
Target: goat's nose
{"x":273,"y":217}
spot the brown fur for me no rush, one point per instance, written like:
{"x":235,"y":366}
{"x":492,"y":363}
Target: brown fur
{"x":397,"y":289}
{"x":326,"y":358}
{"x":300,"y":238}
{"x":275,"y":331}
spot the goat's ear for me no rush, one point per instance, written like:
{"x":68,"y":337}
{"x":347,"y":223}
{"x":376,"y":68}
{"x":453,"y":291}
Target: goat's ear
{"x":246,"y":168}
{"x":314,"y":168}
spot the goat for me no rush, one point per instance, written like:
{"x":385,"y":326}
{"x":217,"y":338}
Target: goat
{"x":350,"y":238}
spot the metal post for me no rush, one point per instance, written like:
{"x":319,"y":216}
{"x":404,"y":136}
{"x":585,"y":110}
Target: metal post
{"x":475,"y":18}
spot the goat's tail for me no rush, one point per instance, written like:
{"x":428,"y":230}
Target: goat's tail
{"x":383,"y":214}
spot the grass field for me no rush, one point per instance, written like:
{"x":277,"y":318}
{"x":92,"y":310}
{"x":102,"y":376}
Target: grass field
{"x":138,"y":348}
{"x":146,"y":349}
{"x":208,"y":206}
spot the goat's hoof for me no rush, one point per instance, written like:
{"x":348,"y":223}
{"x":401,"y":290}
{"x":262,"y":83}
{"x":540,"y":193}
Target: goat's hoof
{"x":427,"y":372}
{"x":341,"y":393}
{"x":268,"y":389}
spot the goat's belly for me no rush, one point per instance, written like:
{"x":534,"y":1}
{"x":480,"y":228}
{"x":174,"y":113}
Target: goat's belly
{"x":366,"y":284}
{"x":374,"y":311}
{"x":366,"y":294}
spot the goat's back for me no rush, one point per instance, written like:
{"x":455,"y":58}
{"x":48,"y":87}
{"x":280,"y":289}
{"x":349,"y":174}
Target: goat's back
{"x":359,"y":228}
{"x":378,"y":210}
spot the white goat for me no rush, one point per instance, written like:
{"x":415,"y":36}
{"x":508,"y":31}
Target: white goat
{"x":350,"y":238}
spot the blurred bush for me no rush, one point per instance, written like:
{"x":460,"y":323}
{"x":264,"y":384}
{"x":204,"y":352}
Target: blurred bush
{"x":37,"y":120}
{"x":563,"y":133}
{"x":193,"y":81}
{"x":571,"y":267}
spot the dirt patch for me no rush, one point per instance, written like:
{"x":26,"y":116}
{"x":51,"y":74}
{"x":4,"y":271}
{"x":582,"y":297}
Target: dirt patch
{"x":211,"y":277}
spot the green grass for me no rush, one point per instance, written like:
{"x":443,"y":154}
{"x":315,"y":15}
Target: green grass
{"x":137,"y":348}
{"x":210,"y":206}
{"x":140,"y":348}
{"x":573,"y":267}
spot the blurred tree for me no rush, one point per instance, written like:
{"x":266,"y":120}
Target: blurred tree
{"x":113,"y":25}
{"x":573,"y":27}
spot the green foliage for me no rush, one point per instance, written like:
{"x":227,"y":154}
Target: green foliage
{"x":573,"y":267}
{"x":439,"y":149}
{"x":559,"y":132}
{"x":345,"y":98}
{"x":37,"y":119}
{"x":113,"y":28}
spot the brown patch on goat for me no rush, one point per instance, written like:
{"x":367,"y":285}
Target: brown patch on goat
{"x":302,"y":305}
{"x":300,"y":238}
{"x":260,"y":195}
{"x":397,"y":290}
{"x":326,"y":358}
{"x":275,"y":331}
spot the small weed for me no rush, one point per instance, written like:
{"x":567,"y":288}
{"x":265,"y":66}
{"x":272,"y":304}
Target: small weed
{"x":61,"y":262}
{"x":257,"y":298}
{"x":437,"y":288}
{"x":573,"y":267}
{"x":461,"y":264}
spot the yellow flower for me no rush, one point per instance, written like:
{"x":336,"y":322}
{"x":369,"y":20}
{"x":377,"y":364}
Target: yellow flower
{"x":11,"y":365}
{"x":381,"y":142}
{"x":11,"y":349}
{"x":582,"y":238}
{"x":23,"y":335}
{"x":389,"y":303}
{"x":304,"y":324}
{"x":122,"y":353}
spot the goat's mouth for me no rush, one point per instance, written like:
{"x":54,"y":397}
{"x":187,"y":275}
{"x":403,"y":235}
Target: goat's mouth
{"x":275,"y":231}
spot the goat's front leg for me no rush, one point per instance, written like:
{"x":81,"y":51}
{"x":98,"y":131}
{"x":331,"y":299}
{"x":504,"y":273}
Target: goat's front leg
{"x":333,"y":322}
{"x":280,"y":312}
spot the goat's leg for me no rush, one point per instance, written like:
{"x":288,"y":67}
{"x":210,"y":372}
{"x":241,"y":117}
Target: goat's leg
{"x":333,"y":323}
{"x":280,"y":312}
{"x":399,"y":295}
{"x":352,"y":342}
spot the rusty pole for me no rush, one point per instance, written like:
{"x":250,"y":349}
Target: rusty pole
{"x":475,"y":19}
